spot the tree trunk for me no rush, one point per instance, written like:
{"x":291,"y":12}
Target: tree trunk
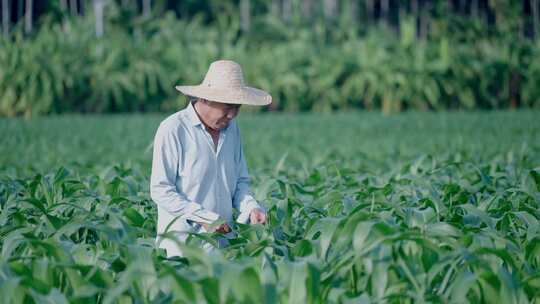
{"x":5,"y":17}
{"x":73,"y":7}
{"x":474,"y":8}
{"x":414,"y":11}
{"x":306,"y":8}
{"x":98,"y":12}
{"x":274,"y":8}
{"x":353,"y":7}
{"x":330,"y":9}
{"x":534,"y":7}
{"x":286,"y":10}
{"x":245,"y":15}
{"x":423,"y":23}
{"x":28,"y":16}
{"x":63,"y":5}
{"x":462,"y":6}
{"x":20,"y":11}
{"x":427,"y":22}
{"x":82,"y":7}
{"x":370,"y":10}
{"x":147,"y":8}
{"x":402,"y":13}
{"x":384,"y":11}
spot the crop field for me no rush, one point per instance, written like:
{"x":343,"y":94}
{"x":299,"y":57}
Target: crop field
{"x":363,"y":208}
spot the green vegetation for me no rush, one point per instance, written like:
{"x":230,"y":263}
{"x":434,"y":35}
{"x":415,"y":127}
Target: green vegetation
{"x":416,"y":207}
{"x":363,"y":207}
{"x":306,"y":63}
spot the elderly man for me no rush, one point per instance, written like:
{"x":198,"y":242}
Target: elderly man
{"x":199,"y":173}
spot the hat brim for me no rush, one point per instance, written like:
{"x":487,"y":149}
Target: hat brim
{"x":242,"y":95}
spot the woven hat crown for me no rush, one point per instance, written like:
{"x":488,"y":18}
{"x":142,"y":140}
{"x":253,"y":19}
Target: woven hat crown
{"x":224,"y":82}
{"x":224,"y":74}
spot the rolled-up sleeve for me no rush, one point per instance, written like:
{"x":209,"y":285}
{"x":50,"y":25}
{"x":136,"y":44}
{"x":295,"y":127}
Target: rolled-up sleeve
{"x":243,"y":199}
{"x":163,"y":189}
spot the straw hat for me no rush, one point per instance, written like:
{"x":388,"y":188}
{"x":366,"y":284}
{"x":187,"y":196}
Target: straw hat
{"x":224,"y":82}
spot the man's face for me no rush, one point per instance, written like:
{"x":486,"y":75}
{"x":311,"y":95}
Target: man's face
{"x":217,"y":115}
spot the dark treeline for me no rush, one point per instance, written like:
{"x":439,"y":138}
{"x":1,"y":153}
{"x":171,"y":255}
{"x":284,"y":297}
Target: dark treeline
{"x":363,"y":12}
{"x":312,"y":55}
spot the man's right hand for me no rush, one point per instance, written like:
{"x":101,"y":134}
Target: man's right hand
{"x":223,"y":228}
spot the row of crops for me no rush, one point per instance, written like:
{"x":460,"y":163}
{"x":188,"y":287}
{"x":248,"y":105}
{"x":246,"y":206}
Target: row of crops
{"x":400,"y":209}
{"x":433,"y":232}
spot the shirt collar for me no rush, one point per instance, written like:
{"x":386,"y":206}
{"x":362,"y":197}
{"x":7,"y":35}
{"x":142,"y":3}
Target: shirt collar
{"x":192,"y":115}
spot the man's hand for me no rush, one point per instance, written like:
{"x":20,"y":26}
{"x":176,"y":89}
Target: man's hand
{"x":257,"y":216}
{"x":223,"y":228}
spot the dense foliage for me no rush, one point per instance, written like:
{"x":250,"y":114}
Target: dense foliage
{"x":323,"y":66}
{"x":363,"y":208}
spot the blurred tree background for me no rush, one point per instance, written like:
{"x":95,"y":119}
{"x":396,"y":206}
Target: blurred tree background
{"x":60,"y":56}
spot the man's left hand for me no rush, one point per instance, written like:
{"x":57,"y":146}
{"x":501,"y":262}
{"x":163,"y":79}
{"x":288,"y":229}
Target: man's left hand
{"x":257,"y":216}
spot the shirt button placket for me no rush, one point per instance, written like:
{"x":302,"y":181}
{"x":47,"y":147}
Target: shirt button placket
{"x":216,"y":181}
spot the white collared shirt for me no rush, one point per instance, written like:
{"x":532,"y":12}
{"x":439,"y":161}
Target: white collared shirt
{"x":193,"y":182}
